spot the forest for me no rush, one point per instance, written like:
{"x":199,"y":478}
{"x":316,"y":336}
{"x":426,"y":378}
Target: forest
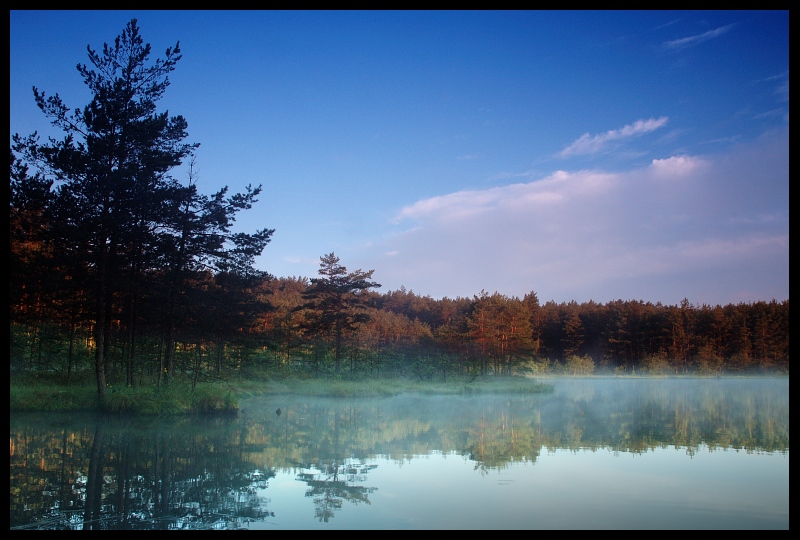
{"x":125,"y":274}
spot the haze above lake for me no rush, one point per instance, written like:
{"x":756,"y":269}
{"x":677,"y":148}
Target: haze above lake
{"x":623,"y":453}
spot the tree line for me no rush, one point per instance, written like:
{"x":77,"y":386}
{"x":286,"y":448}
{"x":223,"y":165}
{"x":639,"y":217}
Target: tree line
{"x":498,"y":334}
{"x":121,"y":270}
{"x":337,"y":324}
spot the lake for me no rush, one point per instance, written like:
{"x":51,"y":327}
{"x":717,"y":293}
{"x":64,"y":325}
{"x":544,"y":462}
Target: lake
{"x":616,"y":453}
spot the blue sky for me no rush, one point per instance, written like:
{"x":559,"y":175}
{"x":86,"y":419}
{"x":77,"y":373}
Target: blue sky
{"x":579,"y":155}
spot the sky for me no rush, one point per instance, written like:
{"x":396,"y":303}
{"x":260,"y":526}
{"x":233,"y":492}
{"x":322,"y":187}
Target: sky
{"x":579,"y":155}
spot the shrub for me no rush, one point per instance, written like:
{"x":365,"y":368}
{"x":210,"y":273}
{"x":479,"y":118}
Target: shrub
{"x":579,"y":365}
{"x":656,"y":364}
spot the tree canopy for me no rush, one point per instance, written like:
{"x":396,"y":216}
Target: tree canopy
{"x":115,"y":211}
{"x":337,"y":301}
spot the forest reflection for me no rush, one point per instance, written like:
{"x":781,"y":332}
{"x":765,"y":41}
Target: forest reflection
{"x":96,"y":472}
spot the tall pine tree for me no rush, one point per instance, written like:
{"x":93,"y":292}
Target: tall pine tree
{"x":115,"y":204}
{"x":336,"y":302}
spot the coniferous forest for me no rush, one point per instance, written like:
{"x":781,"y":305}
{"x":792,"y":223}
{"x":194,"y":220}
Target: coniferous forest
{"x":122,"y":272}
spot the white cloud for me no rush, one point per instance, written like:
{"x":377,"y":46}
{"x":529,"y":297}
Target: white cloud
{"x":684,"y":226}
{"x":676,"y":166}
{"x":588,"y":144}
{"x":691,"y":41}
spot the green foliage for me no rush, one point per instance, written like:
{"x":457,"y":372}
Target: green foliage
{"x":213,"y":399}
{"x":710,"y":365}
{"x":579,"y":365}
{"x":510,"y":385}
{"x":45,"y":396}
{"x":224,"y":398}
{"x":336,"y":303}
{"x":27,"y":394}
{"x":115,"y":235}
{"x":536,"y":366}
{"x":656,"y":364}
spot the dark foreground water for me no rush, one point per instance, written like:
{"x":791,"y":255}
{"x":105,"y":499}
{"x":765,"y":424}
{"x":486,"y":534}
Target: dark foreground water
{"x":594,"y":454}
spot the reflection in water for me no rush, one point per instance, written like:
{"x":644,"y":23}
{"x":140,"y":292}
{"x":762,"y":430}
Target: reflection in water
{"x":108,"y":473}
{"x":71,"y":472}
{"x":330,"y":489}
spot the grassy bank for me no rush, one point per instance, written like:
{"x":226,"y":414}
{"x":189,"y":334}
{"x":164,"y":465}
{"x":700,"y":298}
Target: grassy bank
{"x":178,"y":399}
{"x":223,"y":397}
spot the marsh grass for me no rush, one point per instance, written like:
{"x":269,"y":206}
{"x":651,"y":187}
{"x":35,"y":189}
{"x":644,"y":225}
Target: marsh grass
{"x":52,"y":397}
{"x":391,"y":387}
{"x":144,"y":400}
{"x":223,"y":397}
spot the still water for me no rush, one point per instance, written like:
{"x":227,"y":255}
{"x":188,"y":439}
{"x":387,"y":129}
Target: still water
{"x":594,"y":454}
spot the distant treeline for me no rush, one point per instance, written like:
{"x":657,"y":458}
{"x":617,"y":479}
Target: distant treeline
{"x":276,"y":327}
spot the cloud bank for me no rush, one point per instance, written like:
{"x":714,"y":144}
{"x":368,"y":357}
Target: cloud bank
{"x":713,"y":229}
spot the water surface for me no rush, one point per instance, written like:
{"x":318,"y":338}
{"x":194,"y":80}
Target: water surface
{"x":594,"y":454}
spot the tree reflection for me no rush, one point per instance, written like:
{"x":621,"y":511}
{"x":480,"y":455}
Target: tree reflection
{"x":74,"y":472}
{"x":333,"y":484}
{"x":173,"y":476}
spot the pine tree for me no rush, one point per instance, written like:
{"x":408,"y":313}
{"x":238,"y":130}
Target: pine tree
{"x":116,"y":211}
{"x":336,"y":302}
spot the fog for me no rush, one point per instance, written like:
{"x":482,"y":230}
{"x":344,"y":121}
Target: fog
{"x":628,"y":414}
{"x":684,"y":453}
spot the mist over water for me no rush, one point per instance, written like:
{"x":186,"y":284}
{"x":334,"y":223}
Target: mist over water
{"x":714,"y":409}
{"x":594,"y":453}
